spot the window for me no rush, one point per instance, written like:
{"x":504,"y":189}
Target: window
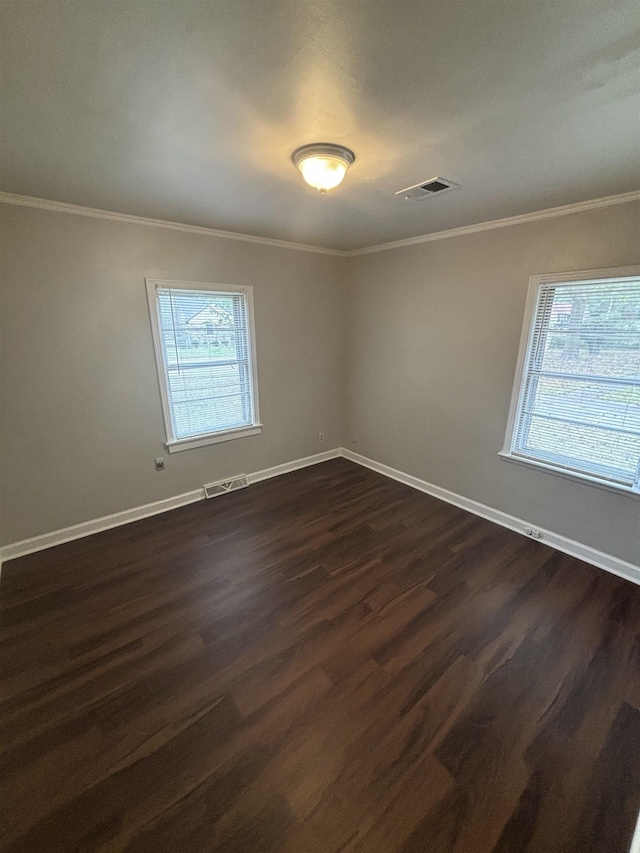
{"x":576,"y":399}
{"x":203,"y":339}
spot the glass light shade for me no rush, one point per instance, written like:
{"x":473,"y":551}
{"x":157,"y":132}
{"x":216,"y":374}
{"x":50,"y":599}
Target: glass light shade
{"x":323,"y":166}
{"x":323,"y":173}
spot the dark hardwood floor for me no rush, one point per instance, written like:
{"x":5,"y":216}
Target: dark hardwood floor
{"x":327,"y":661}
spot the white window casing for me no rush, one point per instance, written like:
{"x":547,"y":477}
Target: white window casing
{"x":575,"y":407}
{"x":204,"y":343}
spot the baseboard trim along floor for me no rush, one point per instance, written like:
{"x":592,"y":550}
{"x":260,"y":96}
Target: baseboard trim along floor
{"x":561,"y":543}
{"x":106,"y":522}
{"x":609,"y":563}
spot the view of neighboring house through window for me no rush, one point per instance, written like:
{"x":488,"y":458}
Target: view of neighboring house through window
{"x":576,"y":405}
{"x":203,"y":336}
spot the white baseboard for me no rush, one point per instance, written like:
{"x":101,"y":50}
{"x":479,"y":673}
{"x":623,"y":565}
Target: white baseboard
{"x":561,"y":543}
{"x":635,"y":841}
{"x":86,"y":528}
{"x":295,"y":465}
{"x":576,"y":549}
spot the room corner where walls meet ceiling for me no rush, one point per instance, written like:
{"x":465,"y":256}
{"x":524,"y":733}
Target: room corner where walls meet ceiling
{"x":189,"y":112}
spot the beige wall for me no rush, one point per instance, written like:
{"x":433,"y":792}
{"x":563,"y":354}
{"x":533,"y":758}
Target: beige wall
{"x":81,"y":416}
{"x":432,"y":342}
{"x":415,"y":346}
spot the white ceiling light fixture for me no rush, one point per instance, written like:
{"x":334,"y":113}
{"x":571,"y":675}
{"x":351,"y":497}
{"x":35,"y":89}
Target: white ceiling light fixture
{"x":323,"y":165}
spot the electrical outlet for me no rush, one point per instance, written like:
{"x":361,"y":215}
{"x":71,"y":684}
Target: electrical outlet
{"x":320,"y":436}
{"x":159,"y":463}
{"x":533,"y":532}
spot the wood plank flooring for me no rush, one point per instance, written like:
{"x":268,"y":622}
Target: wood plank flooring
{"x":327,"y":661}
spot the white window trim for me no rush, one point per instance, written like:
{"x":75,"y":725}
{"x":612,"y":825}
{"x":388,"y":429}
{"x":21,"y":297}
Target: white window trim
{"x":507,"y":453}
{"x":173,"y":444}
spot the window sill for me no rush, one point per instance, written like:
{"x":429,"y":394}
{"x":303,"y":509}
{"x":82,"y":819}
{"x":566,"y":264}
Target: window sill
{"x":570,"y":475}
{"x":212,"y":438}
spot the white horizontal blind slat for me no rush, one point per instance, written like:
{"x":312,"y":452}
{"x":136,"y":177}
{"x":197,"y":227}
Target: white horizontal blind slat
{"x":205,"y":347}
{"x":580,"y":402}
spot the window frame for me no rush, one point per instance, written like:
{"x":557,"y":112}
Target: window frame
{"x":527,"y":339}
{"x":172,"y":443}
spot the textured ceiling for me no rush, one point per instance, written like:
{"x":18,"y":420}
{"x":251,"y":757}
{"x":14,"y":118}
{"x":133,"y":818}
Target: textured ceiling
{"x":189,"y":111}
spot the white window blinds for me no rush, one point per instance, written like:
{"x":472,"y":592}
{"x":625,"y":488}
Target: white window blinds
{"x":579,"y":402}
{"x":205,"y":340}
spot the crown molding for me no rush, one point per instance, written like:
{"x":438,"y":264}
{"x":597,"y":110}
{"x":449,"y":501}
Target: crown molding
{"x":521,"y":219}
{"x":79,"y":210}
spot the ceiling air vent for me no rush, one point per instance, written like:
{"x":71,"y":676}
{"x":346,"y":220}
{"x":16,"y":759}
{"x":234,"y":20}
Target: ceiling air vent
{"x":223,"y":486}
{"x":426,"y":189}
